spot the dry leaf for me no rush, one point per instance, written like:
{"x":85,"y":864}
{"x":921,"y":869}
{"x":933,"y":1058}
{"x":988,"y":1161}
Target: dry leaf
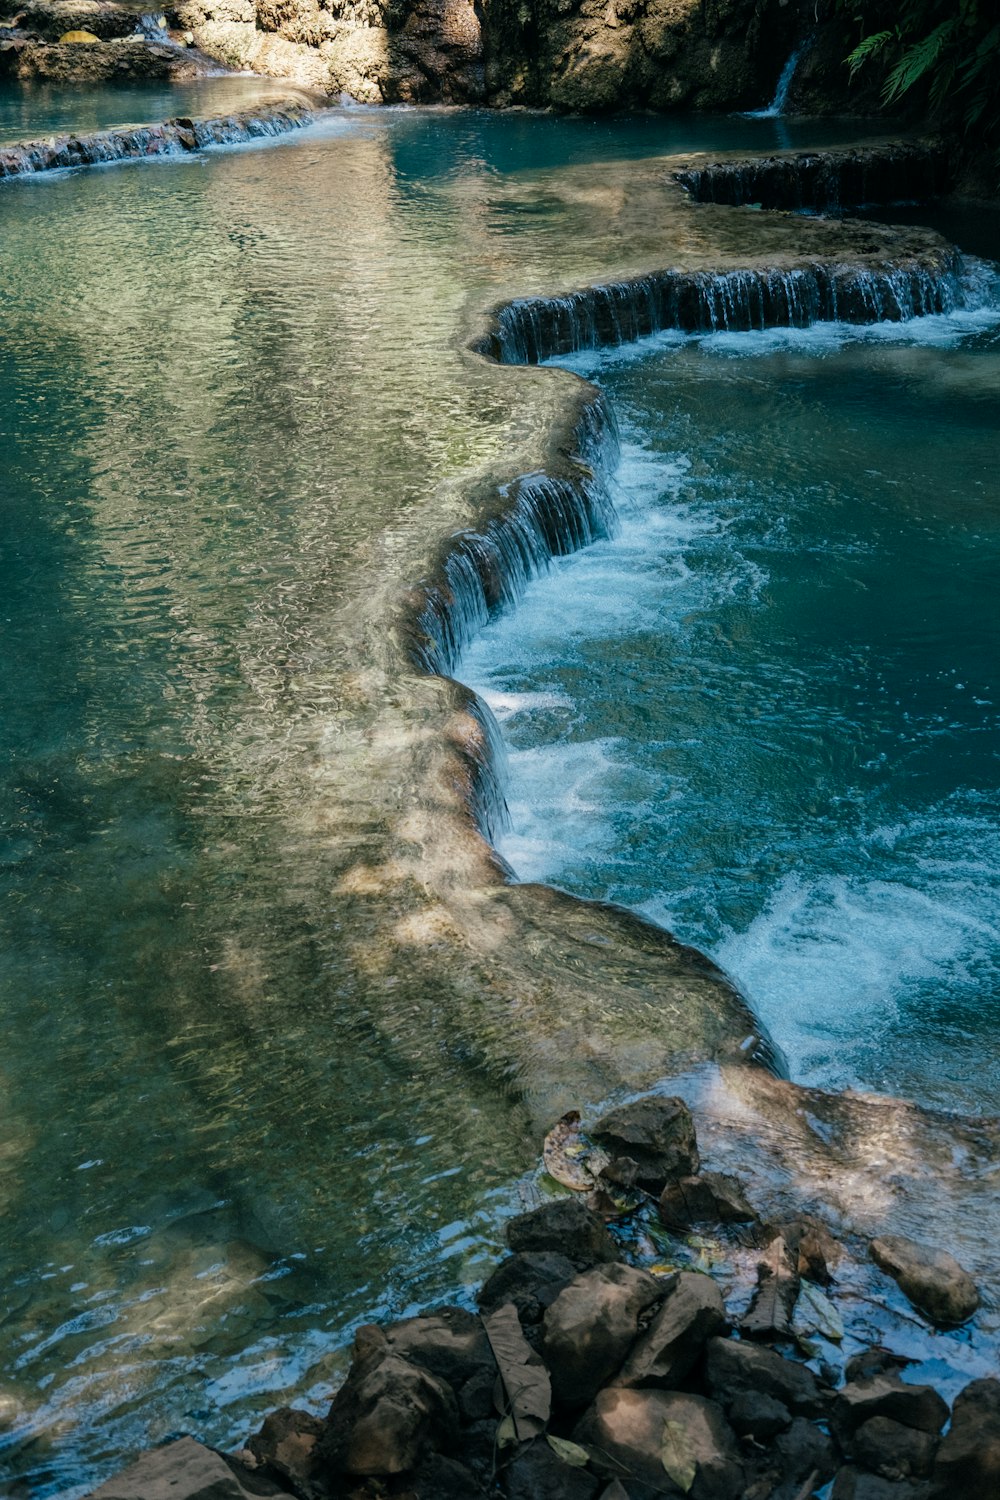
{"x":817,"y":1313}
{"x":570,"y":1453}
{"x":525,"y":1378}
{"x":570,"y":1157}
{"x":678,"y":1456}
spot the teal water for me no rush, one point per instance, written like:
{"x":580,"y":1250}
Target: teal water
{"x":231,"y":394}
{"x":768,"y":712}
{"x":233,"y":409}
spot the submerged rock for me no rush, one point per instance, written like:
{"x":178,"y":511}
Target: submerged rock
{"x":657,"y":1133}
{"x":931,"y":1279}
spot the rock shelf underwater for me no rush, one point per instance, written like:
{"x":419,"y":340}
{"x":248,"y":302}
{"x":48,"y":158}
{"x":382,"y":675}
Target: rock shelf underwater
{"x":607,"y":1003}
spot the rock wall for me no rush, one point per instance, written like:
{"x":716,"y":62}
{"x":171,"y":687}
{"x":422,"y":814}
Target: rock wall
{"x":569,"y":54}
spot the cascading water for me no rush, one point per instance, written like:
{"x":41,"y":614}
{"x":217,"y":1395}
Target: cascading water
{"x":776,"y":108}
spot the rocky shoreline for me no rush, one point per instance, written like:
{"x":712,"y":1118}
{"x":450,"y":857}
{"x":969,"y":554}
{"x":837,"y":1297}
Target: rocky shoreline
{"x":591,"y":1371}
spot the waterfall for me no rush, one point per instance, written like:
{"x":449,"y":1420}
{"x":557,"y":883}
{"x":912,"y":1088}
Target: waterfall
{"x":824,"y":180}
{"x":777,"y":104}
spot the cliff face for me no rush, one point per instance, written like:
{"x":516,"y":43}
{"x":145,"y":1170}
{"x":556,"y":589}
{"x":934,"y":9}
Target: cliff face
{"x":572,"y":54}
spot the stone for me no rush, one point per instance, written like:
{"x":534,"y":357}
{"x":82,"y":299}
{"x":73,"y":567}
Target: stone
{"x":754,"y":1415}
{"x":566,"y":1226}
{"x":894,"y":1451}
{"x":734,"y":1367}
{"x":286,"y":1444}
{"x":812,"y":1246}
{"x":769,"y":1315}
{"x":624,"y":1430}
{"x":886,"y":1395}
{"x":591,"y":1326}
{"x":931,"y":1279}
{"x":532,"y":1280}
{"x":711,"y":1198}
{"x":804,"y":1450}
{"x":537,"y":1473}
{"x":451,"y":1343}
{"x":187,"y":1470}
{"x":854,"y":1484}
{"x":968,"y":1460}
{"x":441,"y":1478}
{"x":692,"y":1313}
{"x":387,"y":1415}
{"x":874,"y":1361}
{"x":657,"y":1133}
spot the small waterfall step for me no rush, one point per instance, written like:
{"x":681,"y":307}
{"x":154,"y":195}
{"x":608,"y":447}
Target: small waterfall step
{"x":776,"y":108}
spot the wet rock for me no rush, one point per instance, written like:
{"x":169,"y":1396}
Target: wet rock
{"x":387,"y":1415}
{"x":770,"y":1312}
{"x":537,"y":1473}
{"x":804,"y":1450}
{"x":757,"y":1416}
{"x":855,"y":1484}
{"x":286,"y":1444}
{"x":917,"y":1406}
{"x":812,"y":1246}
{"x":894,"y":1451}
{"x":711,"y":1198}
{"x":532,"y":1280}
{"x":657,"y":1133}
{"x":452,"y":1344}
{"x":931,"y":1279}
{"x":591,"y":1326}
{"x":567,"y":1227}
{"x":875,"y":1361}
{"x":186,"y":1470}
{"x":968,"y":1460}
{"x":692,"y":1313}
{"x":625,"y":1431}
{"x":733,"y":1368}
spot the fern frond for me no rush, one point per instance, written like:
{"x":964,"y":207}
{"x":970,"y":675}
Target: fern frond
{"x":867,"y":48}
{"x":917,"y":61}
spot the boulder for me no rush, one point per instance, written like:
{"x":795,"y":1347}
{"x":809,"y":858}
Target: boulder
{"x":451,"y":1343}
{"x":532,"y":1280}
{"x":657,"y":1133}
{"x":388,"y":1414}
{"x":734,"y":1367}
{"x":968,"y":1460}
{"x":566,"y":1226}
{"x":537,"y":1473}
{"x":804,"y":1450}
{"x":591,"y":1326}
{"x":854,"y":1484}
{"x":757,"y":1416}
{"x":692,"y":1313}
{"x":917,"y":1406}
{"x":625,"y":1431}
{"x":894,"y":1451}
{"x":932,"y":1280}
{"x":286,"y":1444}
{"x":711,"y":1198}
{"x":187,"y":1470}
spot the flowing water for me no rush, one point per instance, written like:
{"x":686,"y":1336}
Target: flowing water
{"x":766,"y":713}
{"x":235,"y":414}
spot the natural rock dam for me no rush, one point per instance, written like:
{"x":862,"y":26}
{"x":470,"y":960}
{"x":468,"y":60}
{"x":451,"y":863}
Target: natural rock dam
{"x":297,"y":1030}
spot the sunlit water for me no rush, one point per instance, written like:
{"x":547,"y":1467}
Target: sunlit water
{"x":230,"y":386}
{"x":767,"y":712}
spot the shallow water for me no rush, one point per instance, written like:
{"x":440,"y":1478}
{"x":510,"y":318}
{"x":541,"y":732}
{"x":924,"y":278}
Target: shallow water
{"x":30,"y":110}
{"x":250,"y":1093}
{"x":766,"y":713}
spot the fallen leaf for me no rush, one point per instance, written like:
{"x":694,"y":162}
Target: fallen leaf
{"x":770,"y":1311}
{"x":525,"y":1378}
{"x":570,"y":1453}
{"x":570,"y":1157}
{"x":678,"y":1456}
{"x":506,"y":1433}
{"x":815,"y":1309}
